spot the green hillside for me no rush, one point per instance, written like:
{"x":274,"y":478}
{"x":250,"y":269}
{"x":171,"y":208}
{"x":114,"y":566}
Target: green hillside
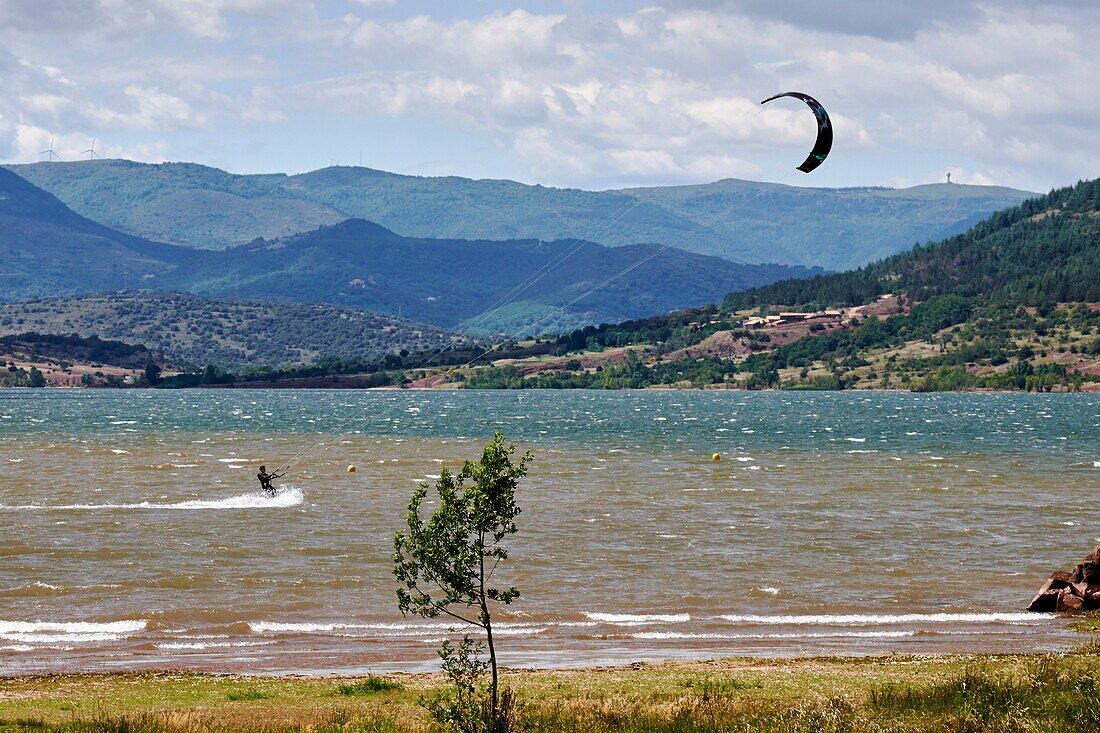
{"x":1013,"y":303}
{"x":196,"y":331}
{"x":205,"y":207}
{"x":364,"y":266}
{"x":47,"y":249}
{"x":1046,"y":250}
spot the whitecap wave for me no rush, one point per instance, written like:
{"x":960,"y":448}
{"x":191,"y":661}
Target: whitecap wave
{"x":51,"y":632}
{"x":519,"y":630}
{"x":631,"y":619}
{"x":860,"y":619}
{"x":662,"y":635}
{"x":286,"y":497}
{"x":181,"y":645}
{"x":306,"y":627}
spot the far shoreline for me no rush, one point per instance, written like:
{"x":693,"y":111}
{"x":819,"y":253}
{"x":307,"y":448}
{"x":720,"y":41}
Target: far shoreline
{"x":335,"y":384}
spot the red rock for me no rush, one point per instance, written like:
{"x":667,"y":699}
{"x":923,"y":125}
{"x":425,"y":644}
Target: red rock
{"x":1061,"y":575}
{"x":1045,"y":602}
{"x":1047,"y":597}
{"x":1067,"y":602}
{"x":1067,"y":592}
{"x":1088,"y":572}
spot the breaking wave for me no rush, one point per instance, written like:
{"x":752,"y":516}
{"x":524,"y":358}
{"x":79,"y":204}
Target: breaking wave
{"x":629,"y":619}
{"x":667,"y":635}
{"x":859,"y":619}
{"x":50,"y":632}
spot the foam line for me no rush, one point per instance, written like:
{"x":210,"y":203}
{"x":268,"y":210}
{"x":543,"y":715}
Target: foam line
{"x":52,"y":632}
{"x":632,"y":619}
{"x":859,"y":619}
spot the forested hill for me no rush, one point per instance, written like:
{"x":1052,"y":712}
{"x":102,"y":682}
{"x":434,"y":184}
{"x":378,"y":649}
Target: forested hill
{"x":364,"y":266}
{"x":199,"y":206}
{"x":1014,"y":303}
{"x":190,"y":330}
{"x":47,"y":249}
{"x":1046,"y":250}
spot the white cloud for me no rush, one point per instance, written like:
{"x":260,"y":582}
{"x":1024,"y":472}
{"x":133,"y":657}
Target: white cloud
{"x":51,"y":72}
{"x":148,"y":108}
{"x":604,"y":98}
{"x":122,"y":101}
{"x":655,"y":94}
{"x":191,"y":70}
{"x":131,"y":18}
{"x":29,"y":144}
{"x":672,"y":92}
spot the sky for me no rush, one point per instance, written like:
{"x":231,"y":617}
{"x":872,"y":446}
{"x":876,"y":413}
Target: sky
{"x":583,"y":94}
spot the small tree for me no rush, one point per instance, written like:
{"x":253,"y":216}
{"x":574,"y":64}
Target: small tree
{"x":446,"y":565}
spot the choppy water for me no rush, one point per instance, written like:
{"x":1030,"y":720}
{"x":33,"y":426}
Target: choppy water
{"x":131,"y":533}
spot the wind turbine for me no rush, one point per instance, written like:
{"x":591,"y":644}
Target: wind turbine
{"x":49,"y":151}
{"x":91,"y":151}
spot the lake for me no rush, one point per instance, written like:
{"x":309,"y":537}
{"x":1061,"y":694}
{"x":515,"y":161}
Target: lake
{"x":133,"y":534}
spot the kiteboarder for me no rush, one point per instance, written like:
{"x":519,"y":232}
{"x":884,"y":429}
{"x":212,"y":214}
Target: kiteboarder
{"x":266,"y":479}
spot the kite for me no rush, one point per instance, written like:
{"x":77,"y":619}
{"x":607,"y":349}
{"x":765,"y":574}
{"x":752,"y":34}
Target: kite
{"x":824,"y":141}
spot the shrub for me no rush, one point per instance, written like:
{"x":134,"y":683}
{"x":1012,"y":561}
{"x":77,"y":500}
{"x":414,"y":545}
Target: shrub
{"x":371,"y":685}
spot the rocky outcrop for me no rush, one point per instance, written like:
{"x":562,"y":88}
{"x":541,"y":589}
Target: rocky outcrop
{"x":1074,"y":591}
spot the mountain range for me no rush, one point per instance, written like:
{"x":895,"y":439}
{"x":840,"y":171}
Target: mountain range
{"x":49,"y":250}
{"x":744,"y":221}
{"x":1009,"y":303}
{"x":1012,"y":303}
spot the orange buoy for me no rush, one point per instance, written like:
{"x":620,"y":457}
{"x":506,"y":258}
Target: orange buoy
{"x":716,"y":457}
{"x":351,"y":469}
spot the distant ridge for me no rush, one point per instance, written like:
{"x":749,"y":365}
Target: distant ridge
{"x":195,"y":205}
{"x":48,"y":250}
{"x":446,"y":282}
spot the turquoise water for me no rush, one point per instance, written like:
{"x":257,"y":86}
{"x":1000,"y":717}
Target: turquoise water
{"x":1009,"y":424}
{"x":133,"y":534}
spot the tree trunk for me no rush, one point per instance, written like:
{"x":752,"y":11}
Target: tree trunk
{"x":493,"y":698}
{"x":493,"y":665}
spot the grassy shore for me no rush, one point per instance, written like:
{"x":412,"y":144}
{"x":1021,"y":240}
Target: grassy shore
{"x":1048,"y":693}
